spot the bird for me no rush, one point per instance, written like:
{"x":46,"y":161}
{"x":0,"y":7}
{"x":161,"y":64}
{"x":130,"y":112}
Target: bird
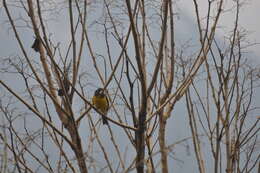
{"x":100,"y":101}
{"x":36,"y":45}
{"x":66,"y":85}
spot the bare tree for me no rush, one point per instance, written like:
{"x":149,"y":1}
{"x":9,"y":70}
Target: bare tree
{"x":224,"y":113}
{"x":129,"y":49}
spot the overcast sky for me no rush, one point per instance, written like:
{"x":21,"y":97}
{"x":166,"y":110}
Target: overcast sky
{"x":249,"y":19}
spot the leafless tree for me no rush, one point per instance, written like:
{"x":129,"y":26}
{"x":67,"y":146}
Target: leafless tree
{"x":130,"y":49}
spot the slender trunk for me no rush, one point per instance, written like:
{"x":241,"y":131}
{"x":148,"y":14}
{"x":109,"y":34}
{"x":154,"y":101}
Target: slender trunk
{"x":77,"y":148}
{"x":150,"y":163}
{"x":227,"y":128}
{"x":140,"y":143}
{"x":164,"y":160}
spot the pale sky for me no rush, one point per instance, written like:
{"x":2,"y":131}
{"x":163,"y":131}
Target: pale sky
{"x":248,"y":19}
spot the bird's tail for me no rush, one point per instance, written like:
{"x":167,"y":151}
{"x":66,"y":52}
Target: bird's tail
{"x":104,"y":120}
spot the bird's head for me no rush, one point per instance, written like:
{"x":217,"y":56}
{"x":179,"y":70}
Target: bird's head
{"x":100,"y":92}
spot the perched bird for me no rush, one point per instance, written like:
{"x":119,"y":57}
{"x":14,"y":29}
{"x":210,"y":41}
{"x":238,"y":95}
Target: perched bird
{"x":66,"y":85}
{"x":100,"y":101}
{"x":36,"y":45}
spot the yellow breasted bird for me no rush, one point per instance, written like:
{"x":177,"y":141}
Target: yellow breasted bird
{"x":100,"y":101}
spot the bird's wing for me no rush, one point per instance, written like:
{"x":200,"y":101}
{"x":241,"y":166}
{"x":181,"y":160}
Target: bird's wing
{"x":107,"y":103}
